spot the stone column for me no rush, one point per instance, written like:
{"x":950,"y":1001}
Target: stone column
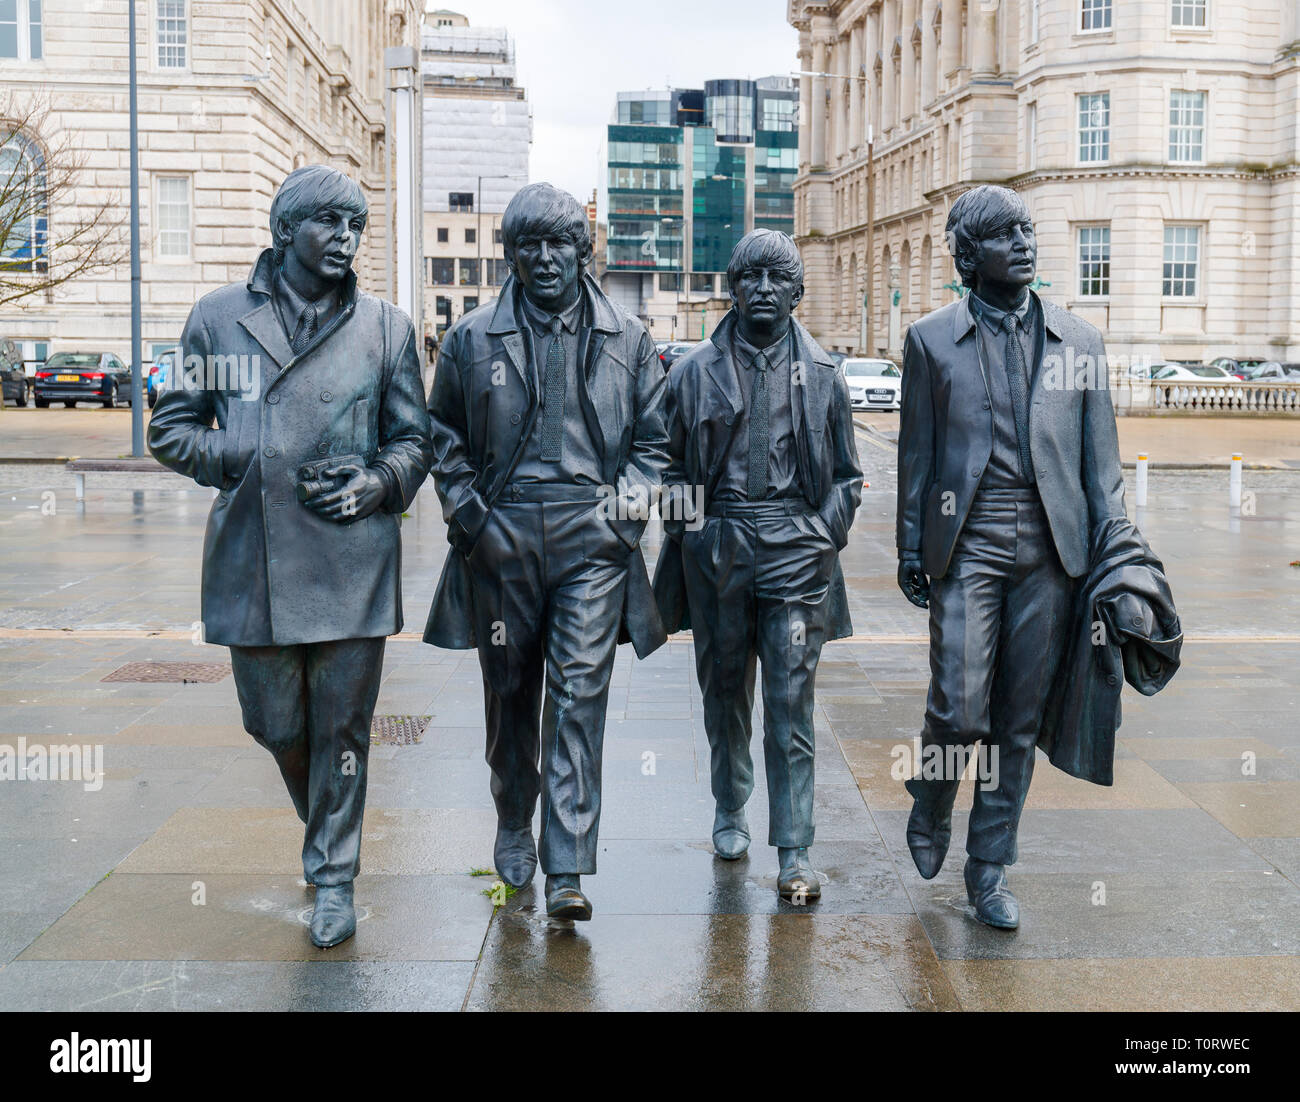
{"x":907,"y":62}
{"x":818,"y":110}
{"x":855,"y":87}
{"x":927,"y":52}
{"x":870,"y":87}
{"x":805,"y":99}
{"x":839,"y":135}
{"x":983,"y":40}
{"x":889,"y":87}
{"x":950,"y":44}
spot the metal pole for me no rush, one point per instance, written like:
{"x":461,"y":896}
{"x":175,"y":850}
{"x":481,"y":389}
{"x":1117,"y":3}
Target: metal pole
{"x":1141,"y":486}
{"x":1234,"y":482}
{"x":868,"y":306}
{"x":137,"y":373}
{"x":478,"y":240}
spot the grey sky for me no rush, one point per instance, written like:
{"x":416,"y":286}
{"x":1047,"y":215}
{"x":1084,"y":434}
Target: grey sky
{"x":575,"y":55}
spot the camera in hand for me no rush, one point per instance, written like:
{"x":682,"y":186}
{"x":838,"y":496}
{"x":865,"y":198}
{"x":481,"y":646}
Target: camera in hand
{"x":313,"y":481}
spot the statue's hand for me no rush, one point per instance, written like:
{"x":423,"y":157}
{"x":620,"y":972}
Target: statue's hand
{"x":358,"y":497}
{"x":912,"y":579}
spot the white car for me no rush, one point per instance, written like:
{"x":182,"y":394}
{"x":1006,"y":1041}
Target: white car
{"x":873,"y":384}
{"x":1192,"y":373}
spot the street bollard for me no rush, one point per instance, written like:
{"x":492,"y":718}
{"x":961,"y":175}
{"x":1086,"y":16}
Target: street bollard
{"x":1234,"y":483}
{"x":1141,"y":487}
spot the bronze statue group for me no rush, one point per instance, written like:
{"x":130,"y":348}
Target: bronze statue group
{"x":550,"y":420}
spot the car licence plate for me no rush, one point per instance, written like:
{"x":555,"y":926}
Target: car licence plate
{"x":67,"y":378}
{"x":882,"y":393}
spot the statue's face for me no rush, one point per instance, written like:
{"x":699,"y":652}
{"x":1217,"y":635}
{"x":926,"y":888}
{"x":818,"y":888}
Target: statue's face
{"x":326,"y":242}
{"x":766,"y":297}
{"x":548,"y":267}
{"x":1010,"y":256}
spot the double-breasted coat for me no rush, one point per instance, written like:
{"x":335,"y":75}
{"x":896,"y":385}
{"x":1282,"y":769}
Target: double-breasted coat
{"x":244,"y":414}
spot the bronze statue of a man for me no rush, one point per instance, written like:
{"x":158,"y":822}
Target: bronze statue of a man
{"x":300,"y":400}
{"x":759,"y":418}
{"x":546,"y":406}
{"x":1007,"y":469}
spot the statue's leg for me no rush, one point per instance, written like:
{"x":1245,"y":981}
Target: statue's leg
{"x":1035,"y":625}
{"x":587,"y":568}
{"x":718,"y":568}
{"x":272,"y":687}
{"x":342,"y":687}
{"x":794,"y":566}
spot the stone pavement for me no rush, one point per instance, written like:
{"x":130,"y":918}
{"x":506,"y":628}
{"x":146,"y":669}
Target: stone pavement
{"x":177,"y":884}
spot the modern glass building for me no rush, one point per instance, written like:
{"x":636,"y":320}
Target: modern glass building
{"x":691,"y":171}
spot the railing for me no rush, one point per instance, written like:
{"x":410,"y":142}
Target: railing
{"x":1209,"y":397}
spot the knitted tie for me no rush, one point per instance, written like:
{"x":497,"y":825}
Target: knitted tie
{"x":553,"y":398}
{"x":760,"y":416}
{"x":306,"y":329}
{"x":1017,"y":380}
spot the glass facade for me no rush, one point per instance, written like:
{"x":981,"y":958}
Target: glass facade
{"x":645,"y":198}
{"x":718,"y":183}
{"x":729,"y":109}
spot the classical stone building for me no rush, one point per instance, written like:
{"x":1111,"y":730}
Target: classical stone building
{"x":1154,"y":140}
{"x":478,"y":133}
{"x":232,"y":96}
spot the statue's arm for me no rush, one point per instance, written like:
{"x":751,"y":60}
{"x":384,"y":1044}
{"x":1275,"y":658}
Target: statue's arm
{"x":841,"y":504}
{"x":454,"y":470}
{"x":181,"y":432}
{"x":647,"y":458}
{"x":916,"y":461}
{"x":677,"y":495}
{"x":405,"y":445}
{"x":1101,"y":469}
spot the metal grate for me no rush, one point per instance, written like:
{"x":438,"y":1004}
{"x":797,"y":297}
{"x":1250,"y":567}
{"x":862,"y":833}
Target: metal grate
{"x":184,"y":672}
{"x":398,"y":730}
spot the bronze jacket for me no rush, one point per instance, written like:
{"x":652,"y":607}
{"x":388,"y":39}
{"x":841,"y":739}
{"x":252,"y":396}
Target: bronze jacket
{"x":482,"y":407}
{"x":945,"y":434}
{"x":244,"y":414}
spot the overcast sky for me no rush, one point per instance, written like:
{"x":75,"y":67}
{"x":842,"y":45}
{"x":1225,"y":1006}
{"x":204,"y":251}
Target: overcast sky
{"x":575,"y":55}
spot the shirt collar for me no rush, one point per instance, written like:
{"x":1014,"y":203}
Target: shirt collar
{"x":775,"y":352}
{"x":291,"y":304}
{"x":993,"y":316}
{"x":541,"y":319}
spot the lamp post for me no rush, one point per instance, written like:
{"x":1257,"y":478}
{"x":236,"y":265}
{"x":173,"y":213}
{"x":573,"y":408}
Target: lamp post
{"x":478,"y":233}
{"x":137,"y":372}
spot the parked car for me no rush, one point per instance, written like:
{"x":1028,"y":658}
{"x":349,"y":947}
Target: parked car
{"x":72,"y":377}
{"x":1237,"y":367}
{"x":675,"y":352}
{"x":13,"y":376}
{"x":1273,"y":371}
{"x":873,"y":384}
{"x":156,"y":382}
{"x":1192,"y":373}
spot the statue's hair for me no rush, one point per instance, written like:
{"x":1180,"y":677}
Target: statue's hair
{"x":766,"y":249}
{"x":305,"y":191}
{"x":543,"y":210}
{"x":979,"y":213}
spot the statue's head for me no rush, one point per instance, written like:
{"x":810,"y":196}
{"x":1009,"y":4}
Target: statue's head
{"x":991,"y":238}
{"x":317,"y":216}
{"x":765,"y":279}
{"x":547,"y":243}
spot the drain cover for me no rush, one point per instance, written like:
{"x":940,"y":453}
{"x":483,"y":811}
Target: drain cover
{"x":398,"y":730}
{"x":170,"y":671}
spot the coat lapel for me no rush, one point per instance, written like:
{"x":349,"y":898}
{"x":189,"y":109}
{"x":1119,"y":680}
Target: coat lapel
{"x":506,"y":325}
{"x":263,"y":325}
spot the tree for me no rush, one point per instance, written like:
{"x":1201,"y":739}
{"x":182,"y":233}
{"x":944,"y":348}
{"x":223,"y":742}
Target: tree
{"x":54,"y":226}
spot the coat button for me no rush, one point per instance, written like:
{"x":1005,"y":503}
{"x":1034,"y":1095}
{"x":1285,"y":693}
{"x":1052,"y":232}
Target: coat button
{"x":322,"y":449}
{"x":269,"y":453}
{"x":1137,"y":621}
{"x":1111,"y":679}
{"x":975,"y":472}
{"x":326,"y":396}
{"x":986,"y":405}
{"x":271,"y":399}
{"x":515,"y":418}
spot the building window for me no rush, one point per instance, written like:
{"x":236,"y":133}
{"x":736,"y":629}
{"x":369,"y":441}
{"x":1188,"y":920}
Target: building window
{"x":471,"y":236}
{"x":24,"y":208}
{"x":1187,"y":126}
{"x":1095,"y":15}
{"x":496,"y":236}
{"x":1031,"y":136}
{"x":442,"y":311}
{"x":499,"y":271}
{"x":461,"y":200}
{"x":1094,"y":127}
{"x":172,"y":27}
{"x":670,"y":281}
{"x":20,"y":29}
{"x":1182,"y":258}
{"x":702,"y":281}
{"x":173,"y":213}
{"x":1094,"y":261}
{"x":471,"y":303}
{"x":442,"y":271}
{"x":1188,"y":13}
{"x":442,"y":235}
{"x":1035,"y":12}
{"x":469,"y":272}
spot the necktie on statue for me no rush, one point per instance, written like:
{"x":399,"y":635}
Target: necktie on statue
{"x":760,"y":417}
{"x":1018,"y":382}
{"x":553,"y":398}
{"x":306,"y":330}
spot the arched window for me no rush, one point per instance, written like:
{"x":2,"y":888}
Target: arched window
{"x":24,"y":205}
